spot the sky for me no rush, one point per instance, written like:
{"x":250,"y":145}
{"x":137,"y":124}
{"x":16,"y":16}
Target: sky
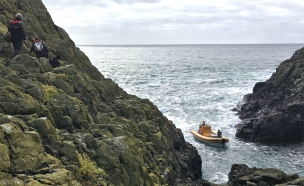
{"x":140,"y":22}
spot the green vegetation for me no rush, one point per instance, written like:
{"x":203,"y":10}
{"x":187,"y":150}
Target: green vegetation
{"x":64,"y":77}
{"x":49,"y":92}
{"x":89,"y":173}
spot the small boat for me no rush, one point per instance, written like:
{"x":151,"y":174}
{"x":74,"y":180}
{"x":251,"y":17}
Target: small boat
{"x":209,"y":136}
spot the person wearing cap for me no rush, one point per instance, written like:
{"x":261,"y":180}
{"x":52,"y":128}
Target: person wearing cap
{"x":18,"y":33}
{"x":42,"y":51}
{"x":55,"y":61}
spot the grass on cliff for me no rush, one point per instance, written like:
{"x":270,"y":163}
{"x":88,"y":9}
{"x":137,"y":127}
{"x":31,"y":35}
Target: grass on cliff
{"x":49,"y":92}
{"x":89,"y":173}
{"x":64,"y":77}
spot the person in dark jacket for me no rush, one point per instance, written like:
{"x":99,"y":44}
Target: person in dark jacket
{"x":219,"y":133}
{"x":55,"y":62}
{"x":39,"y":48}
{"x":18,"y":33}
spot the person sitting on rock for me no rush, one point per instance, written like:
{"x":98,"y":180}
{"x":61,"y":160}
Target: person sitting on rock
{"x":219,"y":133}
{"x":39,"y":48}
{"x":55,"y":61}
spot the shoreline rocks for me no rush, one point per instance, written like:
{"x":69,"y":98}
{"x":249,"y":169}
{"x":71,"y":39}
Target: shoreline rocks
{"x":241,"y":174}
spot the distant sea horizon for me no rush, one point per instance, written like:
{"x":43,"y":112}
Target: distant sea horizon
{"x":189,"y":44}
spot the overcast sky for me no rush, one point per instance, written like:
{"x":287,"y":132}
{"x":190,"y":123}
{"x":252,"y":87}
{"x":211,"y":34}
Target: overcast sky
{"x":120,"y":22}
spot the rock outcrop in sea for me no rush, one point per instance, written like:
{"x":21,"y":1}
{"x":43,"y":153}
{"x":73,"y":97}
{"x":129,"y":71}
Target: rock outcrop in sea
{"x":274,"y":111}
{"x":71,"y":126}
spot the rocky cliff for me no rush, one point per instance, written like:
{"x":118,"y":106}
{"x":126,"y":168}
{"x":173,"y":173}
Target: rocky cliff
{"x":71,"y":126}
{"x":274,"y":112}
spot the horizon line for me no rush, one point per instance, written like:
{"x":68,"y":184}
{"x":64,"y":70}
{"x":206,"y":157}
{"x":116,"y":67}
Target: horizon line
{"x":187,"y":44}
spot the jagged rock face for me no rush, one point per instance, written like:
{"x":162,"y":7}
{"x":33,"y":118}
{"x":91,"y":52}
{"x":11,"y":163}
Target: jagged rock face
{"x":274,"y":112}
{"x":71,"y":126}
{"x":241,"y":174}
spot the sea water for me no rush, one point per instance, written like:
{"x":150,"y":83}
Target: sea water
{"x":194,"y":83}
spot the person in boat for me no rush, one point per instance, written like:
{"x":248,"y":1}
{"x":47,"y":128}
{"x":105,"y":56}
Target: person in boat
{"x":201,"y":127}
{"x":219,"y":133}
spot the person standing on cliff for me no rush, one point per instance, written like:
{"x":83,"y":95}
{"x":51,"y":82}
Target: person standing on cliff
{"x":18,"y":33}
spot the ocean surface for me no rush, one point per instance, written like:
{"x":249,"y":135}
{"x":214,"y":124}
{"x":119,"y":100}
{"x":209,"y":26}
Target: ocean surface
{"x":194,"y":83}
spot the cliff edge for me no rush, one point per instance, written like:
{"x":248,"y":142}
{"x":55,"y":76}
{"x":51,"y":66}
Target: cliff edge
{"x":72,"y":126}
